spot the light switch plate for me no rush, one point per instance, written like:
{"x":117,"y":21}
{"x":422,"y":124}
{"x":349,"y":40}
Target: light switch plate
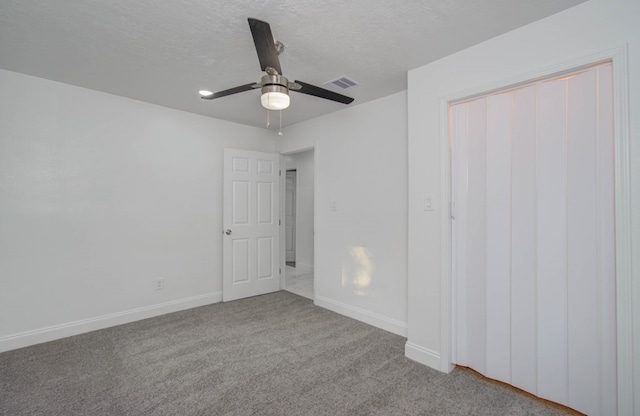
{"x":428,"y":203}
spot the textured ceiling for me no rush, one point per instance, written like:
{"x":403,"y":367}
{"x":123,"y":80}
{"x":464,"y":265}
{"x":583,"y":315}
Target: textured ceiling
{"x":163,"y":52}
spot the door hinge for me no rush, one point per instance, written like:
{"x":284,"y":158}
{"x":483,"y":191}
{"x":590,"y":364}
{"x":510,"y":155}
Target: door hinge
{"x":280,"y":172}
{"x":279,"y":222}
{"x":453,"y":210}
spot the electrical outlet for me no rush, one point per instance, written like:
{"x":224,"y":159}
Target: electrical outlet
{"x":159,"y":284}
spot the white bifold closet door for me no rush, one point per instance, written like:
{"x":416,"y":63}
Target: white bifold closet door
{"x":533,"y":235}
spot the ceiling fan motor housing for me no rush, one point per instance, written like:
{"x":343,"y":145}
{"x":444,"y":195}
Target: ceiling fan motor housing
{"x":275,"y":83}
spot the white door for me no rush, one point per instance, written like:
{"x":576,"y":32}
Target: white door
{"x":251,"y":224}
{"x":290,"y":216}
{"x":534,"y":239}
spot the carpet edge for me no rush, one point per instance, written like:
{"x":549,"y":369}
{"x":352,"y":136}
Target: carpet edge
{"x":371,"y":318}
{"x":51,"y":333}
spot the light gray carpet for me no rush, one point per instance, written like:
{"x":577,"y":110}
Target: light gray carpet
{"x":275,"y":354}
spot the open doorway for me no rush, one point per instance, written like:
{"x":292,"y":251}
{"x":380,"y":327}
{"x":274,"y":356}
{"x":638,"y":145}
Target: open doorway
{"x":299,"y":223}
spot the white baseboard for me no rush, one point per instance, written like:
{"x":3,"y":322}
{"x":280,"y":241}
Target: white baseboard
{"x":425,"y":356}
{"x":25,"y":339}
{"x":371,"y":318}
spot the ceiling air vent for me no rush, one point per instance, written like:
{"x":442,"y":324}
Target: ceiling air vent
{"x":342,"y":83}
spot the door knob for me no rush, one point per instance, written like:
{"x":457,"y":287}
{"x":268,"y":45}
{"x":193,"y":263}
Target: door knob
{"x":228,"y":232}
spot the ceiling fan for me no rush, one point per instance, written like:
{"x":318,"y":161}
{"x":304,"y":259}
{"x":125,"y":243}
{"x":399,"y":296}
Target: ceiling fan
{"x":275,"y":87}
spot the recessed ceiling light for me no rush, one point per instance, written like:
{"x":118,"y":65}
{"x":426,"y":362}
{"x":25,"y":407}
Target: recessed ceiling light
{"x":205,"y":93}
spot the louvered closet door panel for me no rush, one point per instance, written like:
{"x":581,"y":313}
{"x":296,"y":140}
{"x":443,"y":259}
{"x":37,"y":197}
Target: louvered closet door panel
{"x":459,"y":125}
{"x":523,"y":238}
{"x":476,"y":236}
{"x":552,"y":242}
{"x":582,"y":239}
{"x":498,"y":241}
{"x":533,"y":241}
{"x":606,"y":237}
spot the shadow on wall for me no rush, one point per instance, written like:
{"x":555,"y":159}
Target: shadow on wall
{"x":357,"y":270}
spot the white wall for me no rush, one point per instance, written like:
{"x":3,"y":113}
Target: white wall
{"x":303,"y":163}
{"x":578,"y":32}
{"x":361,"y":247}
{"x":99,"y":196}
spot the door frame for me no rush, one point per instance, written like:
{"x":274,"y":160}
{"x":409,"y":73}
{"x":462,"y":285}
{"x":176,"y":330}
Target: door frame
{"x":295,"y":204}
{"x":624,"y":293}
{"x":283,"y":175}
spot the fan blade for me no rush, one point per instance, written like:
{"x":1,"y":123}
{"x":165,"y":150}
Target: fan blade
{"x":234,"y":90}
{"x":322,"y":93}
{"x":265,"y":45}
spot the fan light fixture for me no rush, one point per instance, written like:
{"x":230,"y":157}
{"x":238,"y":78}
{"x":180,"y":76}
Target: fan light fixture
{"x":275,"y":100}
{"x":275,"y":92}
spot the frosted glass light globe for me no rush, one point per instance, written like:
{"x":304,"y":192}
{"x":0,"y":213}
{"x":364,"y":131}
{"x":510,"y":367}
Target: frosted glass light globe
{"x":274,"y":100}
